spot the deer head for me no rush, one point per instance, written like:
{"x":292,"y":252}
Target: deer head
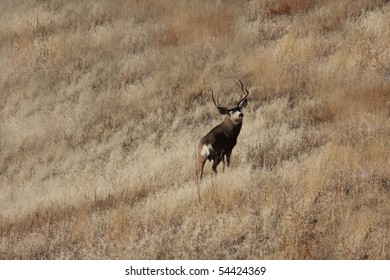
{"x":234,"y":113}
{"x":220,"y":141}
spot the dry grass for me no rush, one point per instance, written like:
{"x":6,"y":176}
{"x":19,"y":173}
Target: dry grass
{"x":102,"y":104}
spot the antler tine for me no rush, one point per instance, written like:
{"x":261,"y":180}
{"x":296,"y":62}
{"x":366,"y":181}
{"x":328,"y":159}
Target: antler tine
{"x":240,"y":85}
{"x":212,"y":96}
{"x":244,"y":90}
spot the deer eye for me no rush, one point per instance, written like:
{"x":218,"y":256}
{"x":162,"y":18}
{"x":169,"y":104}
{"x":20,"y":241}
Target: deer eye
{"x":234,"y":111}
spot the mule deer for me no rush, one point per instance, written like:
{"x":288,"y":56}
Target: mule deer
{"x":220,"y":141}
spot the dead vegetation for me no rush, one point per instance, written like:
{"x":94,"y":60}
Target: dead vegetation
{"x":102,"y":105}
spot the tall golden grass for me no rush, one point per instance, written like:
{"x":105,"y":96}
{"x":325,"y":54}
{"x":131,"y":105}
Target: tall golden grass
{"x":102,"y":104}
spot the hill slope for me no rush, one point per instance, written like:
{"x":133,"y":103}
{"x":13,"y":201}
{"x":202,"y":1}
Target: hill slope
{"x":103,"y":103}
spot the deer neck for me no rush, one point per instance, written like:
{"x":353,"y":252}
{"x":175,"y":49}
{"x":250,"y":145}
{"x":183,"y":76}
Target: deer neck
{"x":231,"y":127}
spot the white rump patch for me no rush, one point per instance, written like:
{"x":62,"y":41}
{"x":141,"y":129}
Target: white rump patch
{"x":206,"y":150}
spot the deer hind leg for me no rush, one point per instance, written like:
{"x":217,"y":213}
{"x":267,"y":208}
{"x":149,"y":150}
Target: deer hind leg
{"x":223,"y":154}
{"x":199,"y":167}
{"x":215,"y":164}
{"x":204,"y":152}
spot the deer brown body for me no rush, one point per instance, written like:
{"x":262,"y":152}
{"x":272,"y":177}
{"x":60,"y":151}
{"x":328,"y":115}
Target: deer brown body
{"x":218,"y":144}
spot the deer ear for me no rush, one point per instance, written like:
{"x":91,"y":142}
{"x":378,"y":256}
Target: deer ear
{"x":242,"y":104}
{"x":223,"y":111}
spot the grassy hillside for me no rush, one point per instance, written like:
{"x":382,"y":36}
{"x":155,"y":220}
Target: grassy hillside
{"x":102,"y":105}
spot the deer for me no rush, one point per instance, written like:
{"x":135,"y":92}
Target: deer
{"x":220,"y":141}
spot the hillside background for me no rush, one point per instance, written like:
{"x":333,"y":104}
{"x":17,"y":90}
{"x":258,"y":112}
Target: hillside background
{"x":102,"y":105}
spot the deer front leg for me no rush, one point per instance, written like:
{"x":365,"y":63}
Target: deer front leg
{"x":228,"y":159}
{"x":217,"y":160}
